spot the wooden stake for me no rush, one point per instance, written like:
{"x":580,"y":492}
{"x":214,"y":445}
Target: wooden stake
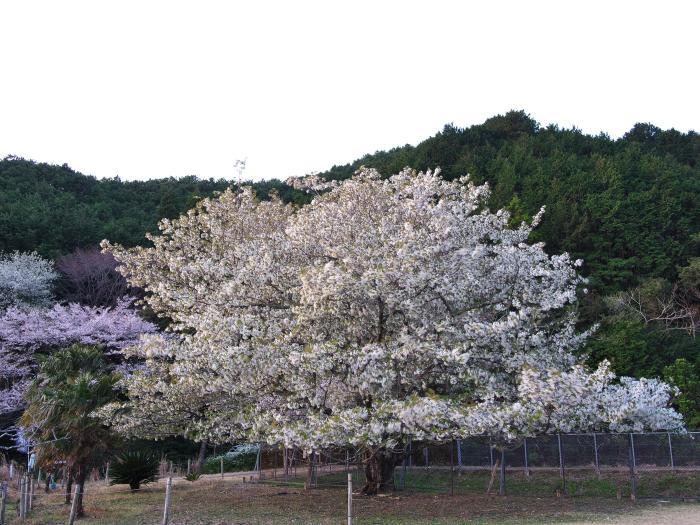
{"x":166,"y":509}
{"x":561,"y":465}
{"x":595,"y":449}
{"x":74,"y":504}
{"x":22,"y":498}
{"x":633,"y":479}
{"x":502,"y":474}
{"x":670,"y":452}
{"x":30,"y":496}
{"x":3,"y":502}
{"x":349,"y":499}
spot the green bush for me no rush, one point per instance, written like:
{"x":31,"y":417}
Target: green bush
{"x":239,"y":458}
{"x":134,"y":469}
{"x":193,"y":476}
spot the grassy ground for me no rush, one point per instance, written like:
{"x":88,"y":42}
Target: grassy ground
{"x":213,"y":501}
{"x":544,"y":483}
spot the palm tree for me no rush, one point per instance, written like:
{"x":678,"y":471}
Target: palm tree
{"x":70,"y":386}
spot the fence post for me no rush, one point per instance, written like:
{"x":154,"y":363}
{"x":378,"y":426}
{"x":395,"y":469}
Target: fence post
{"x":168,"y":493}
{"x":23,"y":497}
{"x":274,"y":465}
{"x":286,"y":464}
{"x":527,"y":468}
{"x":189,"y":465}
{"x":426,"y":457}
{"x":633,"y":480}
{"x":459,"y":454}
{"x":12,"y":469}
{"x":491,"y":454}
{"x":349,"y":499}
{"x":452,"y":468}
{"x":221,"y":461}
{"x":27,"y":493}
{"x":402,"y":479}
{"x":74,"y":504}
{"x":3,"y":501}
{"x":670,"y":451}
{"x":20,"y":509}
{"x":634,"y":456}
{"x":595,"y":451}
{"x":410,"y":451}
{"x":31,"y":494}
{"x":258,"y":461}
{"x":561,"y":464}
{"x":502,"y":474}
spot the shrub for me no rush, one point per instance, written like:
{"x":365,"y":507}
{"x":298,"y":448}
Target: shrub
{"x":193,"y":476}
{"x":134,"y":469}
{"x":241,"y":457}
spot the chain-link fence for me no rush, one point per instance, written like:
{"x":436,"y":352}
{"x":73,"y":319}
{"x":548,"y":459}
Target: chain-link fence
{"x":622,"y":466}
{"x":595,"y":463}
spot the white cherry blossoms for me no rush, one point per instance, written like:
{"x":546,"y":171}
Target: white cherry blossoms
{"x":385,"y":308}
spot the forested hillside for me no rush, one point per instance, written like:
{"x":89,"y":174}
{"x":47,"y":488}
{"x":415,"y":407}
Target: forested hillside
{"x":628,"y":207}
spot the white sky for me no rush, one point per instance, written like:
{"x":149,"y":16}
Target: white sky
{"x":153,"y":89}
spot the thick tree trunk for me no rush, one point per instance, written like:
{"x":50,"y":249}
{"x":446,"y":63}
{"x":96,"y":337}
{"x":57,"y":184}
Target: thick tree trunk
{"x":80,"y":479}
{"x":379,"y":471}
{"x":202,"y":455}
{"x":69,"y":486}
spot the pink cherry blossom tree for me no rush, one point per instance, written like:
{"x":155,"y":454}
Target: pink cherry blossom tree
{"x":24,"y":332}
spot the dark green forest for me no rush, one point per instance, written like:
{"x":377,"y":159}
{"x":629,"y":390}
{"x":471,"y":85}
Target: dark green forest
{"x":628,"y":207}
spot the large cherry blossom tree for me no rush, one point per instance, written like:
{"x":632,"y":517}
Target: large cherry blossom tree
{"x":386,"y":308}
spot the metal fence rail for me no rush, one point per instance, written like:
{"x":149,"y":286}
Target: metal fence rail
{"x":650,"y":451}
{"x":432,"y":466}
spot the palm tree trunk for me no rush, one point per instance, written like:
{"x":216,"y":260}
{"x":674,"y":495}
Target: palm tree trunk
{"x":80,"y":480}
{"x":69,"y":486}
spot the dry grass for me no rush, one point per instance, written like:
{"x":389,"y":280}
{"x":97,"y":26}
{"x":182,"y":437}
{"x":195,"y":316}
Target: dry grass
{"x":214,"y":501}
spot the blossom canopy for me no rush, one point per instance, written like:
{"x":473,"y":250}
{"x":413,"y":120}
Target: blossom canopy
{"x":385,"y":308}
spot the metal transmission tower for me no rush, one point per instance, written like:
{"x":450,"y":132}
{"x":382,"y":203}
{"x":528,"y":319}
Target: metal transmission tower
{"x":239,"y":166}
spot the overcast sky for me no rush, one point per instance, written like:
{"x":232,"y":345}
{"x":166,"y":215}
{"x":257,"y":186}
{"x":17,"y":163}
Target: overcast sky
{"x":154,"y":89}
